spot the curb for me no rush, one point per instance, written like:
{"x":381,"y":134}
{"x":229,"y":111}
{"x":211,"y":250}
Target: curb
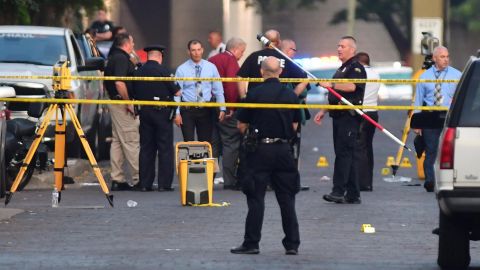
{"x":74,"y":169}
{"x":7,"y":213}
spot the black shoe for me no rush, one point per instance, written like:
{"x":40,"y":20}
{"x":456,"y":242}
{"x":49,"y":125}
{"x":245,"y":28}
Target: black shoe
{"x":137,"y":187}
{"x":333,"y":198}
{"x":232,"y":187}
{"x":120,"y":186}
{"x":366,"y":188}
{"x":161,"y":189}
{"x":144,"y":189}
{"x":244,"y":250}
{"x":353,"y":201}
{"x":291,"y":252}
{"x":429,"y":187}
{"x":304,"y":188}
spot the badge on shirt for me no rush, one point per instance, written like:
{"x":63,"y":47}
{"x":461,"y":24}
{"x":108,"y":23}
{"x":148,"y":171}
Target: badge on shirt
{"x":358,"y":70}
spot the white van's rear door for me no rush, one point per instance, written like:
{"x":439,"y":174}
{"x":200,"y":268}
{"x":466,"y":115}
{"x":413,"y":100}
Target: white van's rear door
{"x":467,"y":157}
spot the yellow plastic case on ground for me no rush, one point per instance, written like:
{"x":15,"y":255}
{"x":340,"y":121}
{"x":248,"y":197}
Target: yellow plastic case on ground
{"x":195,"y":168}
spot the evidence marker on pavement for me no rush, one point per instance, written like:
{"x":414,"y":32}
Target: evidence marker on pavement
{"x":322,"y":162}
{"x":405,"y":163}
{"x":390,"y":161}
{"x":367,"y":228}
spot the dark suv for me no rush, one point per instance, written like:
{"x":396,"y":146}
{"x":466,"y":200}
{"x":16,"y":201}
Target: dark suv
{"x":457,"y":172}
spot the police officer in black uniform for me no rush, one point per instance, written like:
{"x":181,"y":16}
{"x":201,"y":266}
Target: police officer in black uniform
{"x":346,"y":124}
{"x":271,"y":161}
{"x":156,"y":128}
{"x":251,"y":69}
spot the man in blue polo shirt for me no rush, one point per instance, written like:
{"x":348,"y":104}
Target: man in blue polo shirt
{"x":435,"y":94}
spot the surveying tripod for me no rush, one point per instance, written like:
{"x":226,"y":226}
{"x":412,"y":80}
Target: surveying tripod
{"x":61,"y":85}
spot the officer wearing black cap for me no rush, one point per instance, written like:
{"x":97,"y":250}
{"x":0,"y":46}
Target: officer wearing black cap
{"x":272,"y":160}
{"x":156,"y":128}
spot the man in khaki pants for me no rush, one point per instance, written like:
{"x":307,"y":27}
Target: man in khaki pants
{"x":125,"y":142}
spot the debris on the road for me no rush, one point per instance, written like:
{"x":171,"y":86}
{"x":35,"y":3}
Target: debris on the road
{"x":315,"y":149}
{"x":89,"y":184}
{"x":324,"y":178}
{"x":131,"y":203}
{"x":397,"y":179}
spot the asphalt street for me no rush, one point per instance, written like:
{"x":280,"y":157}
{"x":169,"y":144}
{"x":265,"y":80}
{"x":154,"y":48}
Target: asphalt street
{"x":85,"y":233}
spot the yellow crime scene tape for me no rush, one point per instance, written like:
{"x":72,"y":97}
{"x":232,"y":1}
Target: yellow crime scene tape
{"x":215,"y":104}
{"x":236,"y":79}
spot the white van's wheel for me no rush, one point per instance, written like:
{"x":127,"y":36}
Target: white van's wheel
{"x":454,"y":243}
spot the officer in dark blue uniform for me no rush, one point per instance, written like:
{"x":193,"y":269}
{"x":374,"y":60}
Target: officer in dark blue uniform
{"x":156,"y":127}
{"x":271,"y":161}
{"x":346,"y":124}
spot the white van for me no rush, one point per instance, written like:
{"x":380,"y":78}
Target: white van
{"x":457,"y":172}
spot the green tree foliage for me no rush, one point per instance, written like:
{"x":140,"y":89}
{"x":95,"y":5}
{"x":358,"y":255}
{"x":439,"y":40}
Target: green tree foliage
{"x":46,"y":12}
{"x":269,"y":5}
{"x":395,"y":15}
{"x":467,"y":13}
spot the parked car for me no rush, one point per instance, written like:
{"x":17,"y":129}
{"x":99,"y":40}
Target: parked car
{"x":33,"y":50}
{"x":457,"y":173}
{"x":5,"y":92}
{"x":100,"y":144}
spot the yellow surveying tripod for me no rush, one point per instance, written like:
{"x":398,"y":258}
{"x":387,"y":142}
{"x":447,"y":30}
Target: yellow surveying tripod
{"x":61,"y":85}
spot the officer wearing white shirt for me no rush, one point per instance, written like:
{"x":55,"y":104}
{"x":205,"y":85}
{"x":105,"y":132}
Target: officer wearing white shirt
{"x":216,"y":42}
{"x":364,"y":150}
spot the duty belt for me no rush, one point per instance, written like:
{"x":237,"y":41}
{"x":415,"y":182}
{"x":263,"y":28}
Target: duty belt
{"x":144,"y":107}
{"x":273,"y":140}
{"x":116,"y":97}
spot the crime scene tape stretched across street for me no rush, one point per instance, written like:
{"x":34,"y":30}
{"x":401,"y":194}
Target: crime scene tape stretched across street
{"x":215,"y":104}
{"x":285,"y":80}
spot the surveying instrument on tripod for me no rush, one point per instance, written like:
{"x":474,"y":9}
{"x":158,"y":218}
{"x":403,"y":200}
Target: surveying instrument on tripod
{"x":427,"y":45}
{"x":61,"y":85}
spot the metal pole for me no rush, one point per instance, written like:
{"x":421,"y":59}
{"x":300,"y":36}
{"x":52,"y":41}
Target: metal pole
{"x":352,"y":5}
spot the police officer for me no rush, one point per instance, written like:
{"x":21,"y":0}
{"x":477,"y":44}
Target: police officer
{"x":346,"y":124}
{"x":156,"y":128}
{"x":271,"y":161}
{"x":125,"y":139}
{"x":251,"y":67}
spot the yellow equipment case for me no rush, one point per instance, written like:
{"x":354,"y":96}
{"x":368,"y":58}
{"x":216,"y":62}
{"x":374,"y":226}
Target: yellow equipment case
{"x":195,"y":168}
